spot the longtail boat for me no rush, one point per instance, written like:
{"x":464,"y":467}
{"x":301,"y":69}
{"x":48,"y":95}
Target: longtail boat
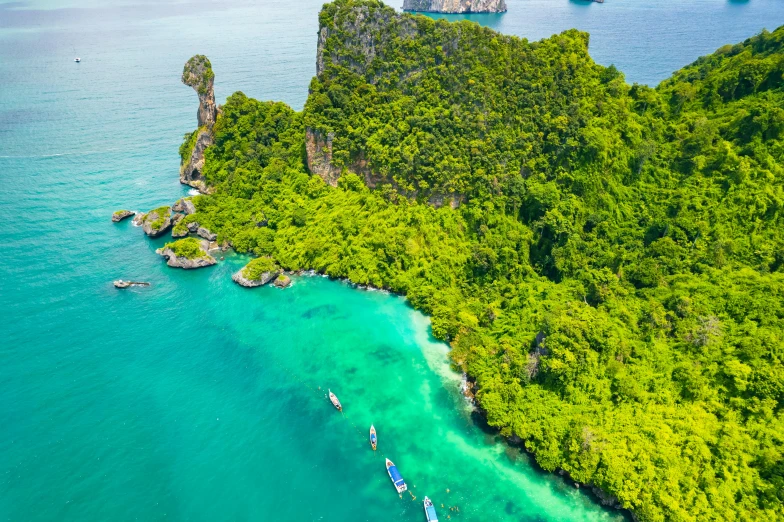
{"x":335,"y":402}
{"x":373,"y":439}
{"x":430,"y":511}
{"x":396,"y":477}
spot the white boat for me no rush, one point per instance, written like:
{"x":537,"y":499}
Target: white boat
{"x":334,"y":400}
{"x":430,"y":511}
{"x":373,"y":439}
{"x":77,"y":60}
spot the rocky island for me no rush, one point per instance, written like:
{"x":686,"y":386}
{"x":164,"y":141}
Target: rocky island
{"x":187,"y":253}
{"x":258,"y":272}
{"x":611,"y":280}
{"x":455,"y":6}
{"x":120,"y":215}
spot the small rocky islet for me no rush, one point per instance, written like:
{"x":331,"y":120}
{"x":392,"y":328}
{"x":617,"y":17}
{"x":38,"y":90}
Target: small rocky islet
{"x":120,"y":215}
{"x":258,"y":272}
{"x":188,"y":253}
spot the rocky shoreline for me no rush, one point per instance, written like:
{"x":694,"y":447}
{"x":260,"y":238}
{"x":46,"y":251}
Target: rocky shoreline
{"x":468,"y":388}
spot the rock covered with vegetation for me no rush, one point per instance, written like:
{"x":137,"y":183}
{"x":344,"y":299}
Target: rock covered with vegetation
{"x":156,"y":222}
{"x":198,"y":74}
{"x":258,"y":272}
{"x":119,"y":215}
{"x":187,"y":253}
{"x":455,"y":6}
{"x":282,"y":281}
{"x":613,"y":280}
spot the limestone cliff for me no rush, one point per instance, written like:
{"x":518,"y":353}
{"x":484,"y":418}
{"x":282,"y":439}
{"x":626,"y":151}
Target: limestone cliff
{"x":455,"y":6}
{"x":356,"y":40}
{"x":198,"y":74}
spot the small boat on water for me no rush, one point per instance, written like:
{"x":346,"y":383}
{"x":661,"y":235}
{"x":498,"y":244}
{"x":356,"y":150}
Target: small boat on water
{"x":430,"y":511}
{"x":77,"y":60}
{"x":396,"y":477}
{"x":373,"y":439}
{"x":335,"y":402}
{"x":126,"y":284}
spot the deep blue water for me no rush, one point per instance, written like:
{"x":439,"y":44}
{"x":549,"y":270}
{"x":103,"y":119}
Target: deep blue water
{"x":195,"y":399}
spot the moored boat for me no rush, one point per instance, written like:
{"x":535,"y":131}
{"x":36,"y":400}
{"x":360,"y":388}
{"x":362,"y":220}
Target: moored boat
{"x":430,"y":511}
{"x":373,"y":439}
{"x":335,"y":402}
{"x":396,"y":477}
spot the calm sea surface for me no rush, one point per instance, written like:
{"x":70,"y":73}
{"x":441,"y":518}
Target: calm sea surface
{"x":195,"y":399}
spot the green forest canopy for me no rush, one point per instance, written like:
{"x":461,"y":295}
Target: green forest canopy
{"x":612,"y":278}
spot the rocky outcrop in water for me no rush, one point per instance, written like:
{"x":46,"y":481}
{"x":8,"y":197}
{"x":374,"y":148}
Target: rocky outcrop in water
{"x":282,"y":281}
{"x":198,"y":74}
{"x":122,"y":214}
{"x":455,"y":6}
{"x":188,"y":263}
{"x":156,"y":222}
{"x":264,"y":278}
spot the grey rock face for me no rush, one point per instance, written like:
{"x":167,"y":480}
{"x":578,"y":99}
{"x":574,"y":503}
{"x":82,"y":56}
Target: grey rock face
{"x":121,"y":214}
{"x":455,"y":6}
{"x":206,"y":234}
{"x":193,"y":227}
{"x":175,"y":261}
{"x":191,"y":169}
{"x":154,"y":224}
{"x":319,"y":154}
{"x":184,"y":205}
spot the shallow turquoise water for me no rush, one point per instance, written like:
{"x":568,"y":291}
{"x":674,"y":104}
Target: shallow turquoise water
{"x":194,"y":399}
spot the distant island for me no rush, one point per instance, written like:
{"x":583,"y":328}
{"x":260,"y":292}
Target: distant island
{"x":606,"y":260}
{"x":456,"y":6}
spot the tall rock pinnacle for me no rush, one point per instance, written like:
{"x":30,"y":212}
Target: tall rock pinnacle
{"x":198,"y":74}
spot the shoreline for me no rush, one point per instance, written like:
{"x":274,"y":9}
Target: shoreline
{"x":478,"y":416}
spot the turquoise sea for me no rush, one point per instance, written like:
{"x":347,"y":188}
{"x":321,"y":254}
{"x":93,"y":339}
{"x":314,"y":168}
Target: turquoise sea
{"x":195,"y":399}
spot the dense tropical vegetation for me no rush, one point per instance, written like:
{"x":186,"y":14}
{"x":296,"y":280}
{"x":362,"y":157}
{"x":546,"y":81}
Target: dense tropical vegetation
{"x":613,"y":277}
